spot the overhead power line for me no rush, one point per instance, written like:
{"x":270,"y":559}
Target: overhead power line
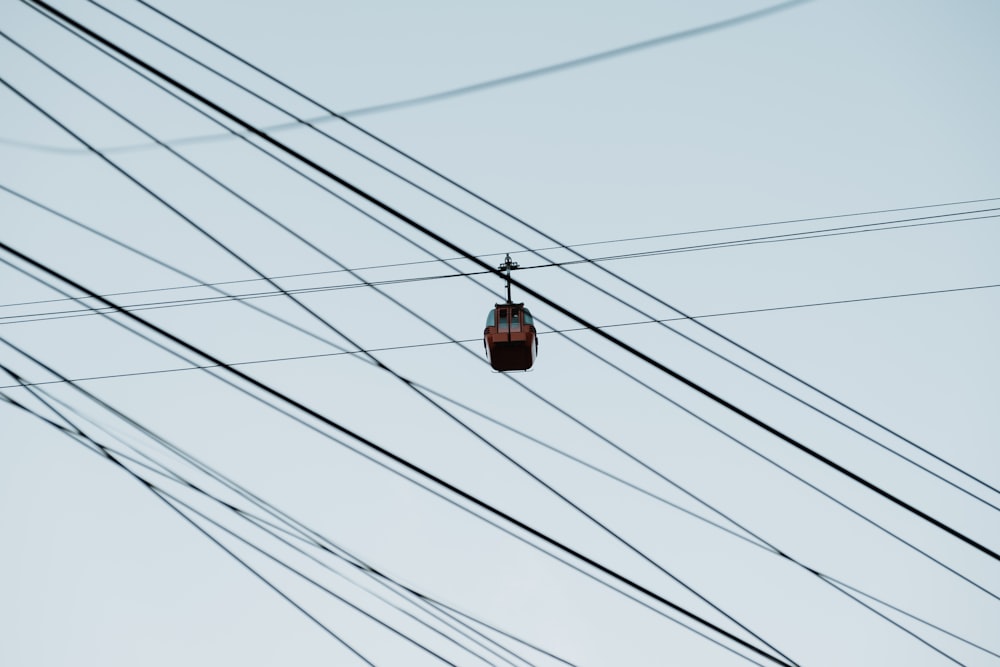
{"x":294,"y":528}
{"x":313,"y":313}
{"x":440,"y":482}
{"x":527,"y":290}
{"x":269,"y":528}
{"x":768,"y":547}
{"x":549,"y":237}
{"x":477,"y":341}
{"x":881,"y":226}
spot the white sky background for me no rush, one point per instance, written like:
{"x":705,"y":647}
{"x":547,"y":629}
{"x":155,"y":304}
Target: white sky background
{"x":827,"y":108}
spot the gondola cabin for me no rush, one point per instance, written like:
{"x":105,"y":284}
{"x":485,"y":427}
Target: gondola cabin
{"x":510,"y":338}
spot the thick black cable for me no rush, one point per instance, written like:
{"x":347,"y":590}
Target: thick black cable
{"x":399,"y":281}
{"x":343,"y":144}
{"x":524,"y":223}
{"x":742,"y":444}
{"x":592,"y":518}
{"x":583,"y":258}
{"x":377,"y":462}
{"x":346,"y":120}
{"x":168,"y":267}
{"x":200,"y":284}
{"x":315,"y":540}
{"x":439,"y":199}
{"x":917,"y":637}
{"x":863,"y":604}
{"x":840,"y":585}
{"x":322,"y":355}
{"x":173,"y":269}
{"x":527,"y":290}
{"x":757,"y":541}
{"x":304,"y":409}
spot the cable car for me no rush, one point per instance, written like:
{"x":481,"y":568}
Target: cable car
{"x":509,"y":338}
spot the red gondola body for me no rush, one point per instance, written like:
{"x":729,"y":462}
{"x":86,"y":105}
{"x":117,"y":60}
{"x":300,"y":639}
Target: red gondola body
{"x":510,"y":338}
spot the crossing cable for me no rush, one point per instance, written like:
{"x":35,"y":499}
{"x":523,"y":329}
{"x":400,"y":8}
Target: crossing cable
{"x":266,"y":527}
{"x":114,"y":460}
{"x":153,"y":259}
{"x":224,"y":296}
{"x":538,"y":396}
{"x":591,"y":517}
{"x":757,"y":540}
{"x":550,"y":488}
{"x":696,"y":498}
{"x":839,"y":585}
{"x":77,"y":433}
{"x":656,"y":472}
{"x":535,"y":477}
{"x":809,"y":569}
{"x":250,"y":518}
{"x":268,"y":508}
{"x":709,"y":506}
{"x":200,"y":284}
{"x":737,"y":441}
{"x":301,"y":532}
{"x":765,"y":545}
{"x":303,"y":409}
{"x":527,"y":290}
{"x":552,"y":239}
{"x":295,"y":528}
{"x":361,"y":567}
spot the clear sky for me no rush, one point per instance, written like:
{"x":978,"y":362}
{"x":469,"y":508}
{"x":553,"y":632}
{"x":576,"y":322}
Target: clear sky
{"x":653,"y":159}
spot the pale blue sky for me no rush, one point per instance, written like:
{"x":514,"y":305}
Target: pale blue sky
{"x":827,"y":108}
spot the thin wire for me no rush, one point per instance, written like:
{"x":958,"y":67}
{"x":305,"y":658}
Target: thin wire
{"x":890,"y":620}
{"x":824,"y":413}
{"x":422,"y":319}
{"x":323,"y":355}
{"x":483,"y":256}
{"x":314,"y":539}
{"x":863,"y":604}
{"x":461,"y":90}
{"x":564,"y":311}
{"x":592,"y":518}
{"x":111,"y":458}
{"x":765,"y":546}
{"x":225,"y":296}
{"x":303,"y":409}
{"x":583,"y":258}
{"x":618,"y":298}
{"x":412,"y":223}
{"x":333,"y":114}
